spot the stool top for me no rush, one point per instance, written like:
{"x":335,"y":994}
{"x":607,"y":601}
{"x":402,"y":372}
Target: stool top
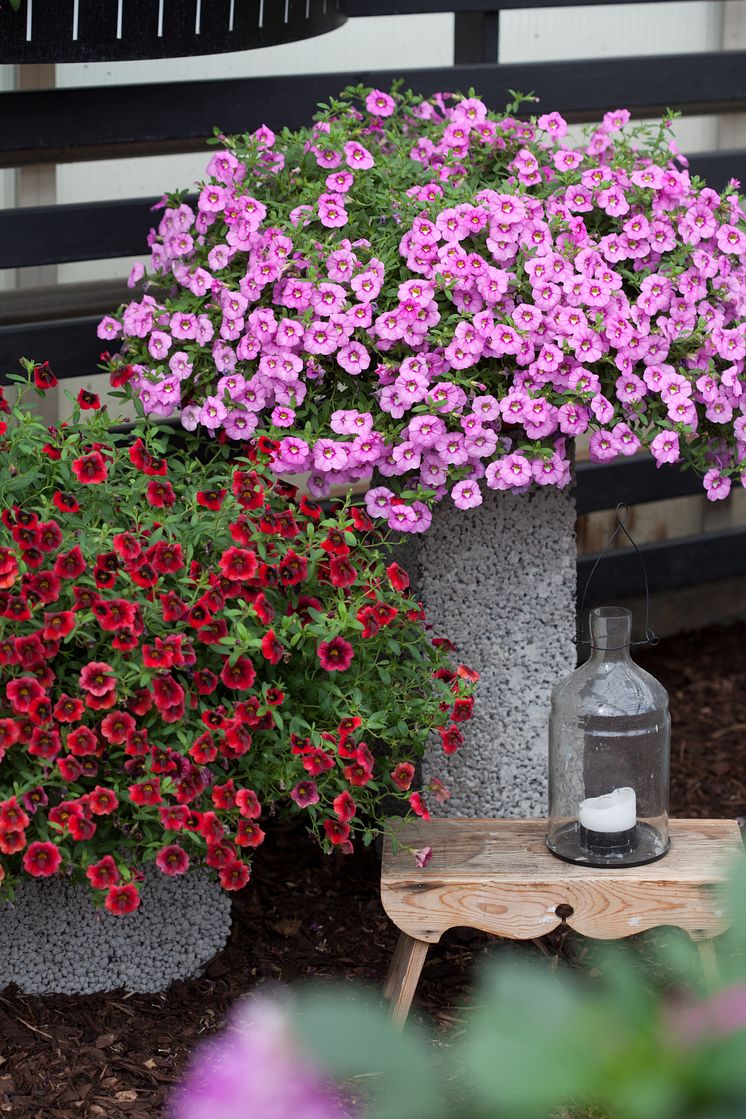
{"x":498,"y":875}
{"x":515,"y":850}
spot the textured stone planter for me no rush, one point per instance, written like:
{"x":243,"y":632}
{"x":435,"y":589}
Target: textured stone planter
{"x":52,"y":940}
{"x":499,"y":581}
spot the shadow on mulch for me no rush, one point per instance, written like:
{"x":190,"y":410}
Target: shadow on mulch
{"x":305,"y":915}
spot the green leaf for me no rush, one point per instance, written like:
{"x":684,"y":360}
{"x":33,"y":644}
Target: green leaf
{"x":352,"y":1037}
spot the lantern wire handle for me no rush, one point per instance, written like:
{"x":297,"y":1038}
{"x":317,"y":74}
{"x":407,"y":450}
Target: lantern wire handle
{"x":651,"y":637}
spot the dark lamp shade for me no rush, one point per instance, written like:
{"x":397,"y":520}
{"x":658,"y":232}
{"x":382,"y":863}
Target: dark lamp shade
{"x":44,"y":31}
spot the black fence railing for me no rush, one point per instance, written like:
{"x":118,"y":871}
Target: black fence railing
{"x":65,"y":125}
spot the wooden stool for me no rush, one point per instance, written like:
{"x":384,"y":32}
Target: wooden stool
{"x":498,"y":876}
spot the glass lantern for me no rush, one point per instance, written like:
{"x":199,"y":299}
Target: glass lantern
{"x":609,"y":745}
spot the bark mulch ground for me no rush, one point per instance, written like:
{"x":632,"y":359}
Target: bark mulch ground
{"x":116,"y":1055}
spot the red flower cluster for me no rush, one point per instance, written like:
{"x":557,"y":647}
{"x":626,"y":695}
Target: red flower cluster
{"x":176,"y":675}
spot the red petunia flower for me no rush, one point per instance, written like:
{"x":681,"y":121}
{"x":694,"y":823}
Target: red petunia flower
{"x":11,"y":841}
{"x":146,"y":792}
{"x":344,"y":807}
{"x":335,"y":655}
{"x":248,"y":804}
{"x":234,"y":876}
{"x":160,"y":495}
{"x":272,"y":649}
{"x":90,"y":469}
{"x":69,"y":565}
{"x":82,"y":742}
{"x":68,"y":709}
{"x":65,"y":502}
{"x":203,"y":749}
{"x":205,"y":681}
{"x":293,"y":569}
{"x":115,"y":614}
{"x":360,"y":519}
{"x":336,"y":831}
{"x":22,"y":692}
{"x":463,"y":709}
{"x":211,"y":499}
{"x":97,"y":678}
{"x":81,"y":828}
{"x":40,"y":711}
{"x":310,"y":509}
{"x":469,"y":674}
{"x":451,"y":738}
{"x":12,"y":816}
{"x":220,"y":854}
{"x":102,"y":802}
{"x":174,"y":817}
{"x":172,"y":860}
{"x":104,"y":874}
{"x":341,"y":572}
{"x":237,"y":742}
{"x":58,"y":625}
{"x":70,"y":768}
{"x":418,"y":806}
{"x":29,"y":651}
{"x":210,"y":827}
{"x":120,"y":376}
{"x":240,"y":675}
{"x":88,"y":401}
{"x":167,"y":692}
{"x":402,"y":775}
{"x":224,"y":796}
{"x":122,"y":899}
{"x":45,"y":743}
{"x":398,"y":577}
{"x":370,"y":623}
{"x":305,"y":793}
{"x":44,"y":378}
{"x":116,"y":726}
{"x":249,"y":834}
{"x":9,"y":735}
{"x":48,"y":536}
{"x":143,"y":460}
{"x":172,"y":607}
{"x":238,"y":564}
{"x":42,"y":859}
{"x":335,"y":543}
{"x":317,"y":761}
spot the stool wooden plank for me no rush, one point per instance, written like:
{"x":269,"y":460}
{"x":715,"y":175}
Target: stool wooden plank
{"x":499,"y":877}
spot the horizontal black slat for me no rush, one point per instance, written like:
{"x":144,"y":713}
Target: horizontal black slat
{"x":72,"y":124}
{"x":632,"y":481}
{"x":70,"y":346}
{"x":36,"y":235}
{"x":61,"y":301}
{"x":685,"y":562}
{"x":718,"y":167}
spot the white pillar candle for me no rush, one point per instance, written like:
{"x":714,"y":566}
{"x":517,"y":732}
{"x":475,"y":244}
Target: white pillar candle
{"x":612,"y":812}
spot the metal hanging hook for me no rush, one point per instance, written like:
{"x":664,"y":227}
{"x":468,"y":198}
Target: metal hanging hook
{"x":651,"y":637}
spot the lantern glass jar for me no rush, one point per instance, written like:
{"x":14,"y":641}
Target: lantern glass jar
{"x":609,"y":747}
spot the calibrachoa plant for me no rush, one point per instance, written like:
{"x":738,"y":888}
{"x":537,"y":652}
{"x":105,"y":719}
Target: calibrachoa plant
{"x":186,"y":645}
{"x":447,"y":296}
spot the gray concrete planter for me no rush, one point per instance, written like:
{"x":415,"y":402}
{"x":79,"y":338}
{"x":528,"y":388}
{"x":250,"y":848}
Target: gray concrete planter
{"x":53,"y":941}
{"x":499,"y":581}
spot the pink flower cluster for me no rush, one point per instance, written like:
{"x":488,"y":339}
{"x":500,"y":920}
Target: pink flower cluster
{"x":429,"y":298}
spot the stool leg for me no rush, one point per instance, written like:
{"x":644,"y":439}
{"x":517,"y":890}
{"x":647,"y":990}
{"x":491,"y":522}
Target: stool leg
{"x":404,"y":973}
{"x":709,"y":961}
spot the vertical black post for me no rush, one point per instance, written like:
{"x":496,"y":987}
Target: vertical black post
{"x":476,"y":37}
